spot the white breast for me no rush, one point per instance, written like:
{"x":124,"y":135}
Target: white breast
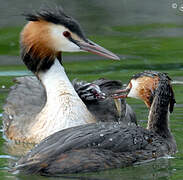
{"x":63,"y":108}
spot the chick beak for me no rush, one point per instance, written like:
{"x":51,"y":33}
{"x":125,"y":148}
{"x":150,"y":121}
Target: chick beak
{"x":117,"y":94}
{"x":96,"y":49}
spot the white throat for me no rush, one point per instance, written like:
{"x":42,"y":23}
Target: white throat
{"x":63,"y":108}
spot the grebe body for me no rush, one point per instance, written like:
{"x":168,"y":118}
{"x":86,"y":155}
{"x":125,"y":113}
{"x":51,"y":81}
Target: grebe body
{"x":100,"y":146}
{"x":43,"y":39}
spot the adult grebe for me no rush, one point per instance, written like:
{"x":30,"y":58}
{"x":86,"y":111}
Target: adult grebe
{"x":47,"y":34}
{"x":100,"y":146}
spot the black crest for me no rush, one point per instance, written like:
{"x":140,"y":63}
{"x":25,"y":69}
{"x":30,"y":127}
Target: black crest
{"x":150,"y":74}
{"x":56,"y":16}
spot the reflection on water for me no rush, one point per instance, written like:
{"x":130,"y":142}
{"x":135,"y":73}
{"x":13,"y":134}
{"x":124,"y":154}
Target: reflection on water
{"x":157,"y":169}
{"x":7,"y":157}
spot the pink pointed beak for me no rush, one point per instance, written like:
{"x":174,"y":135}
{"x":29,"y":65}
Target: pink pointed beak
{"x":117,"y":94}
{"x":96,"y":49}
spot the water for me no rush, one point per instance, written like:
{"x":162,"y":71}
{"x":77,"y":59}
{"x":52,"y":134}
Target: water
{"x":146,"y":35}
{"x":14,"y":73}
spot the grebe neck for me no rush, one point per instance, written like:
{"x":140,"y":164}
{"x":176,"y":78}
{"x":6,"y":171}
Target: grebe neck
{"x":158,"y":119}
{"x":63,"y":108}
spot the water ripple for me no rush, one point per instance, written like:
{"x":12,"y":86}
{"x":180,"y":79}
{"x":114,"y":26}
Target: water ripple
{"x":7,"y":157}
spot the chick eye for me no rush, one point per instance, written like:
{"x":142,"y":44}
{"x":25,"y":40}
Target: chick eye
{"x":66,"y":34}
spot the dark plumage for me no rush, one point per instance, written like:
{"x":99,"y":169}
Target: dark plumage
{"x":92,"y":147}
{"x":36,"y":64}
{"x":100,"y":146}
{"x":104,"y":108}
{"x":150,"y":74}
{"x":57,"y":16}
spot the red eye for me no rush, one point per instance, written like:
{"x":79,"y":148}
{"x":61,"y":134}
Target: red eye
{"x":66,"y":33}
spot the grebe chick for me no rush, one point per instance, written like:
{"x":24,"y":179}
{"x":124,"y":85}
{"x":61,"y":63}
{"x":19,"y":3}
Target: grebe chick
{"x":97,"y":97}
{"x":47,"y":34}
{"x":100,"y":146}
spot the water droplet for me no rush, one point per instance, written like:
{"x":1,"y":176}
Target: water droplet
{"x":146,"y":137}
{"x":110,"y":139}
{"x":103,"y":94}
{"x":98,"y":145}
{"x":10,"y":117}
{"x":181,"y":8}
{"x":103,"y":126}
{"x":101,"y":135}
{"x":3,"y":86}
{"x":115,"y":126}
{"x":174,"y":5}
{"x":135,"y":141}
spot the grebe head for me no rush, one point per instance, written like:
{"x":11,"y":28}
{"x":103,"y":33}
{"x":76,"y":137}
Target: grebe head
{"x":145,"y":85}
{"x":50,"y":32}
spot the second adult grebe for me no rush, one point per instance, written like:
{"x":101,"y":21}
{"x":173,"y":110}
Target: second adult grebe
{"x":100,"y":146}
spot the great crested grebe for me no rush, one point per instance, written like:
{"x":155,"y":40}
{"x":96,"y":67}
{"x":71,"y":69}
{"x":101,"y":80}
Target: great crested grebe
{"x":99,"y":146}
{"x":33,"y":112}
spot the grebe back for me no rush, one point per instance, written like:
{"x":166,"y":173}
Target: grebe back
{"x":100,"y":146}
